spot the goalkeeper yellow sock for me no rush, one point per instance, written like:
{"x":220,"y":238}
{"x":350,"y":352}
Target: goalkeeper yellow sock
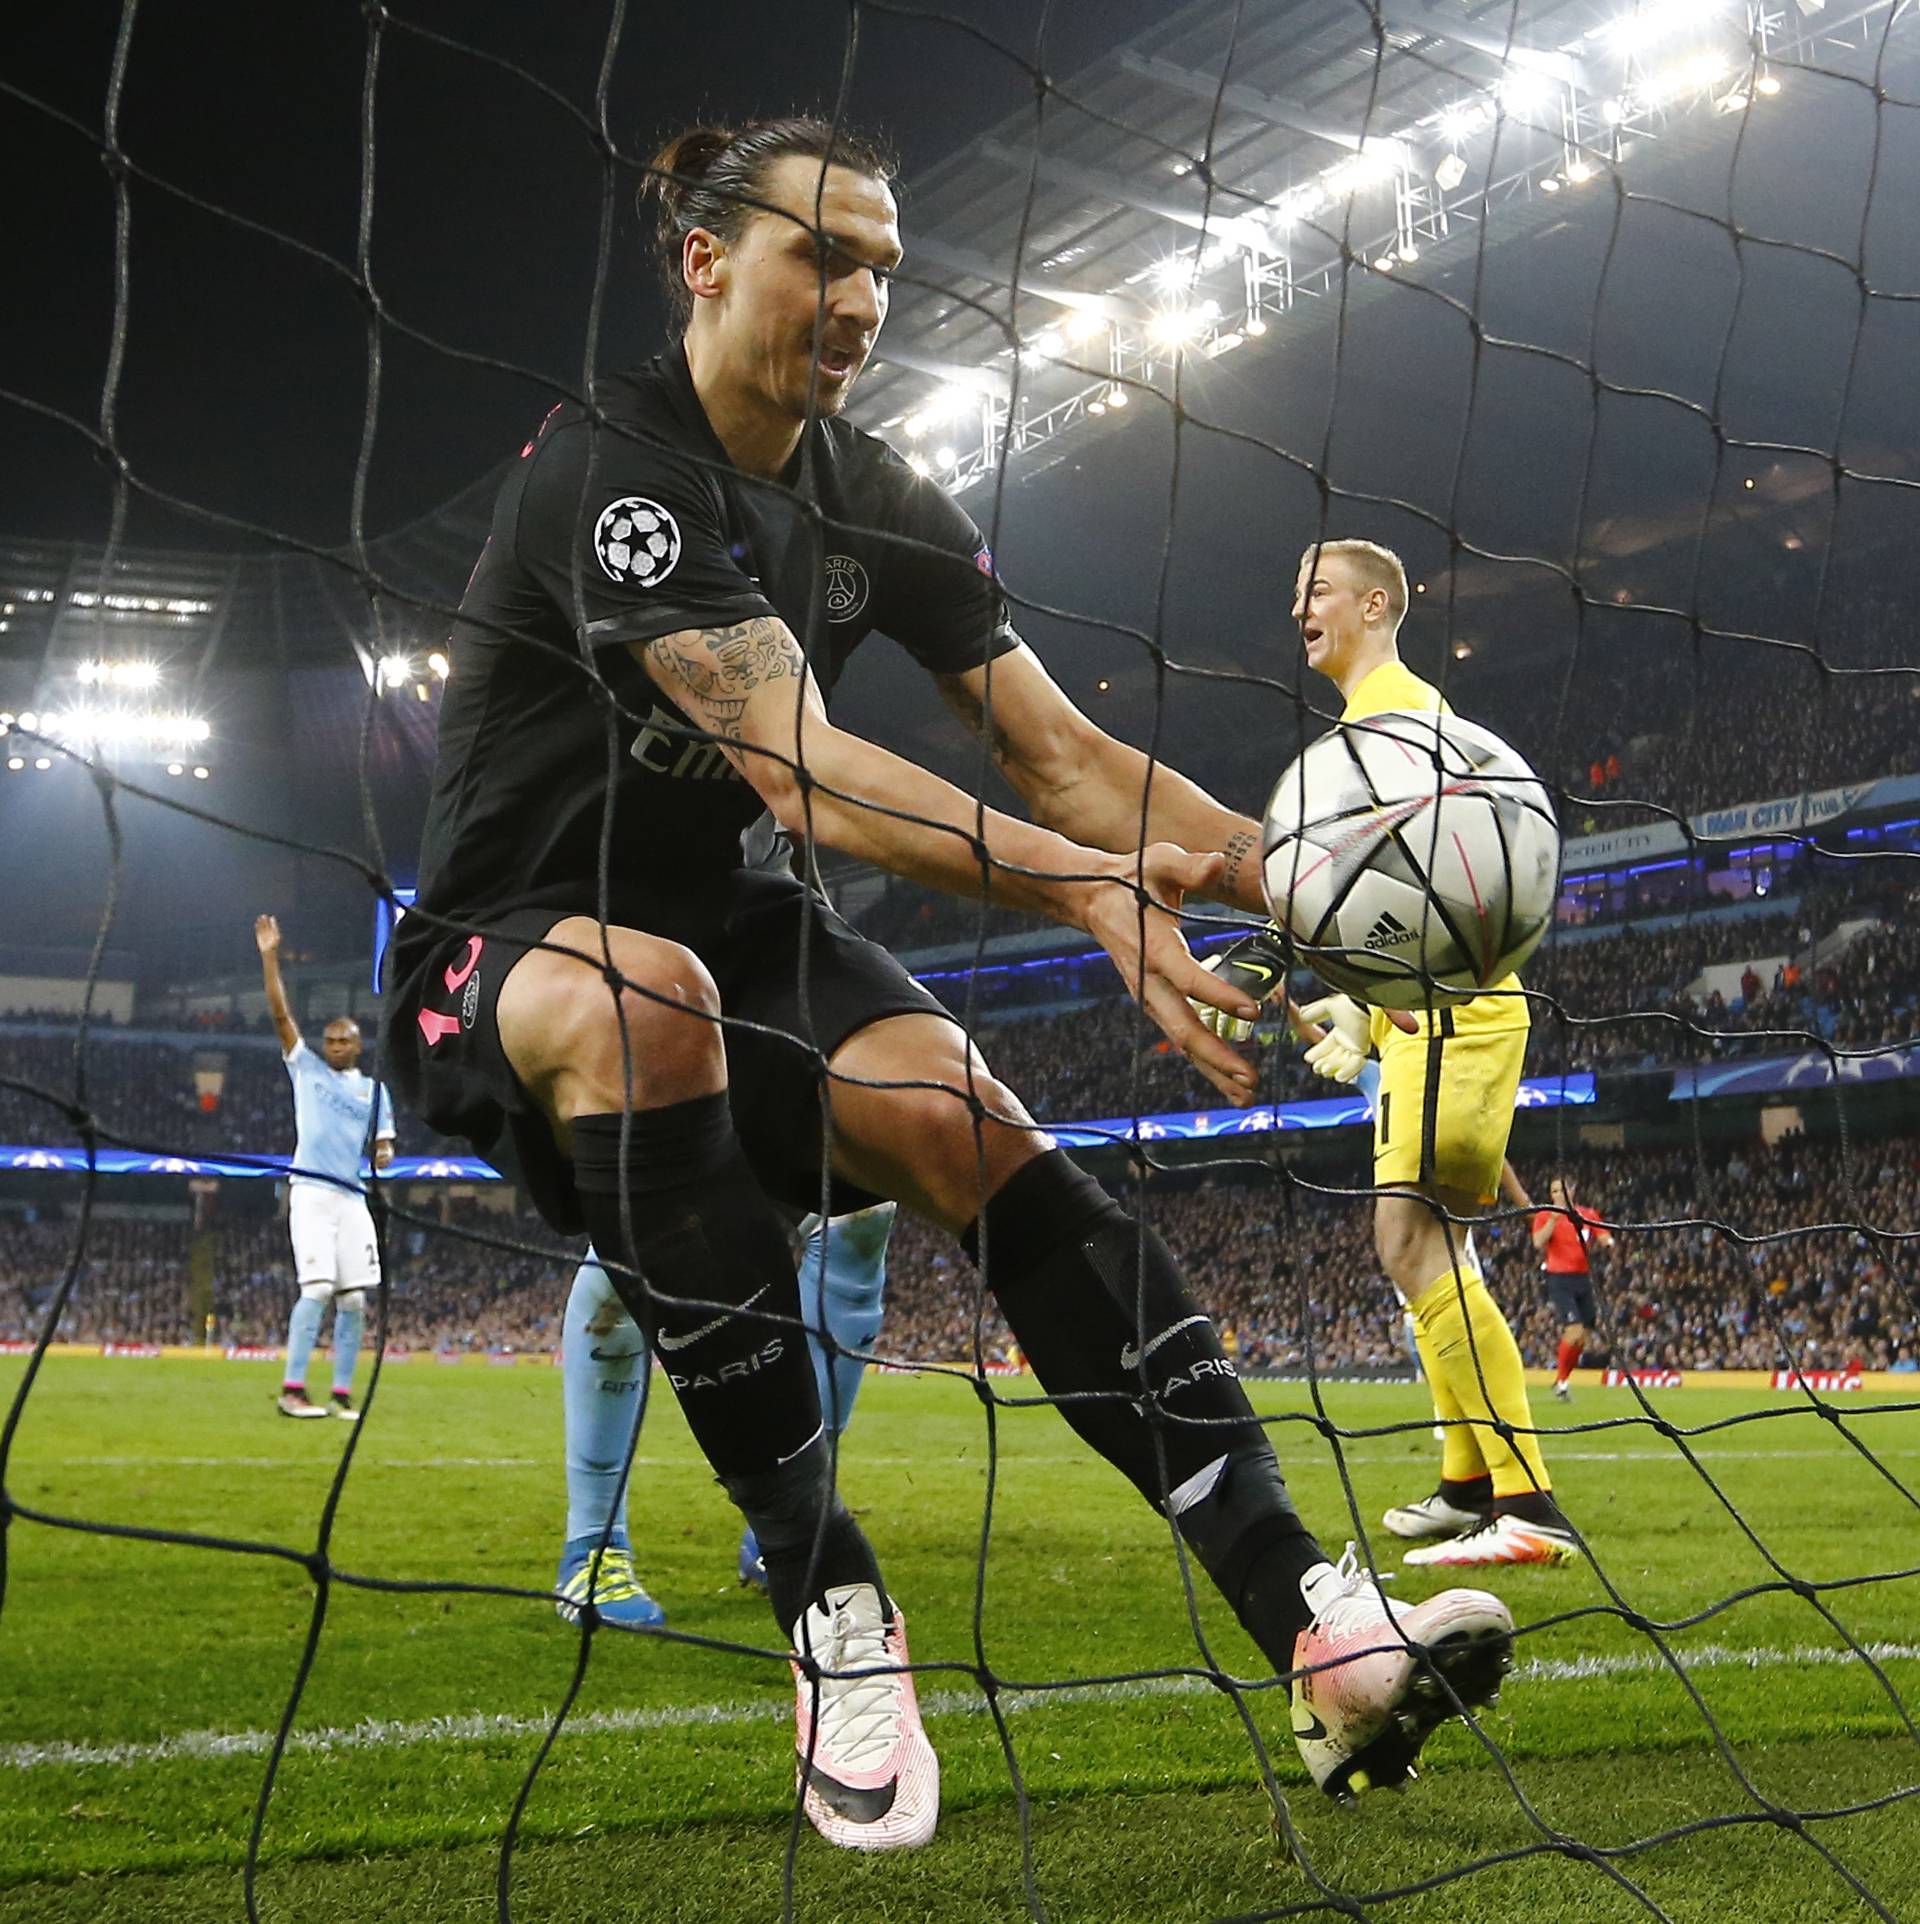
{"x":1466,"y":1345}
{"x":1461,"y":1460}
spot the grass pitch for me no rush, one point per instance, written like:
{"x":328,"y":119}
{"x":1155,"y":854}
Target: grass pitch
{"x":139,"y":1681}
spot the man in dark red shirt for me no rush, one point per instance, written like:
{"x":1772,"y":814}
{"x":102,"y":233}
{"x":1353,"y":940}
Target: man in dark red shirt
{"x":1566,"y":1235}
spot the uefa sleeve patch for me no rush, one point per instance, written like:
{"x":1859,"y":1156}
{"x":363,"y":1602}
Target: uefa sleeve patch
{"x":636,"y":541}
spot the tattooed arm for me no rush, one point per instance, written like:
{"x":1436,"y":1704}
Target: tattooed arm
{"x":749,"y":687}
{"x":1078,"y":780}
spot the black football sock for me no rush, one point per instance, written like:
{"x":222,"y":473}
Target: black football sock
{"x":793,"y":1508}
{"x":1468,"y":1493}
{"x":1531,"y":1506}
{"x":1072,"y":1272}
{"x":720,"y":1304}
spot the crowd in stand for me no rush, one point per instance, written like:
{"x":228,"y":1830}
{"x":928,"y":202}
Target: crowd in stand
{"x":1616,"y":999}
{"x":1866,"y":996}
{"x":1295,"y":1278}
{"x":1799,"y":728}
{"x":143,"y":1092}
{"x":1290,"y":1274}
{"x":450,"y":1289}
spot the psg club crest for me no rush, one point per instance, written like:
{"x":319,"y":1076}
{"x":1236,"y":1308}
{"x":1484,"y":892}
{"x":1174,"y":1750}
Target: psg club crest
{"x":847,"y":587}
{"x":637,"y":541}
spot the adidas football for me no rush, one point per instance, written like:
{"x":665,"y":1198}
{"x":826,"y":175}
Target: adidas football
{"x":1412,"y":857}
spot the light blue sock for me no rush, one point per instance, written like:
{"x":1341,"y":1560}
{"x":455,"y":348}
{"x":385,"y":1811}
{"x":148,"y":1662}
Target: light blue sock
{"x":843,"y":1278}
{"x":302,"y":1327}
{"x":603,"y":1377}
{"x":349,"y":1322}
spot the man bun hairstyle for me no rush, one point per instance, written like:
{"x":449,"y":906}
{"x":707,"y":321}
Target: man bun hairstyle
{"x":718,"y":178}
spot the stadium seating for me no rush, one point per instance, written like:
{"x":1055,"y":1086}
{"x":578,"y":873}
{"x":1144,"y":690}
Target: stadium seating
{"x":1601,"y":1001}
{"x":1291,"y":1275}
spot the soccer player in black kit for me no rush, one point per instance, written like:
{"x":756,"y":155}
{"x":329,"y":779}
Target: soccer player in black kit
{"x":599,"y":981}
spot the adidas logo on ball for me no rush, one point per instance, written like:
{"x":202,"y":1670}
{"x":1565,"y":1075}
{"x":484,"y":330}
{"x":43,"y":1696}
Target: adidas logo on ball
{"x":1389,"y":932}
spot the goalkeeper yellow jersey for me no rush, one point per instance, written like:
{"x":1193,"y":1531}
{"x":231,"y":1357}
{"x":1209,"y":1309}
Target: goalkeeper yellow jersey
{"x":1394,"y":688}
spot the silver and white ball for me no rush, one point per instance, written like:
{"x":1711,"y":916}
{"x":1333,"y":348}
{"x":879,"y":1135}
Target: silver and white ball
{"x":1414,"y":858}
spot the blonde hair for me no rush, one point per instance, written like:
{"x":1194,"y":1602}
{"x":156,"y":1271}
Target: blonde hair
{"x":1373,"y":567}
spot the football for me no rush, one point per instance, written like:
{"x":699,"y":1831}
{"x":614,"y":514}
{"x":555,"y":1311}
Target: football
{"x":1413,"y":857}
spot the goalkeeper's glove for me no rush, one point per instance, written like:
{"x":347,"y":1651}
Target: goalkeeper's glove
{"x":1257,"y":966}
{"x":1341,"y":1053}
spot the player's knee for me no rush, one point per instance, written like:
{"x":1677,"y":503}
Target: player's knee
{"x":1403,"y":1237}
{"x":860,"y":1239}
{"x":655,"y":1037}
{"x":1575,"y":1333}
{"x":317,"y":1292}
{"x":596,"y":1303}
{"x":350,"y":1302}
{"x":1418,"y":1236}
{"x":972,"y":1138}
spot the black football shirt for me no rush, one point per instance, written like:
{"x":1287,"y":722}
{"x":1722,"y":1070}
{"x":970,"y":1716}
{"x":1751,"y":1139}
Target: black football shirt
{"x":637,"y":526}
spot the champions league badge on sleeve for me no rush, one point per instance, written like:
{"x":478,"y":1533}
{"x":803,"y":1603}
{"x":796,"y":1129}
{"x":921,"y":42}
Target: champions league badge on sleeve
{"x":636,"y":541}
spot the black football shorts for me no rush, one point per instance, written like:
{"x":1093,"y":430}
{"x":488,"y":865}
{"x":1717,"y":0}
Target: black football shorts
{"x":1571,"y":1296}
{"x":795,"y":982}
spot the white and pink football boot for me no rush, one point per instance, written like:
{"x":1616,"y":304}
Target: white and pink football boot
{"x":1376,"y":1676}
{"x":868,"y":1777}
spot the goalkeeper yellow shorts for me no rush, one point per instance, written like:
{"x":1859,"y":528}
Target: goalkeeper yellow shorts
{"x":1446,"y":1106}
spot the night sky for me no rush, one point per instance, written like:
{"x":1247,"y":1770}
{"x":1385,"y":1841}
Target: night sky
{"x":245,"y":387}
{"x":245,"y":380}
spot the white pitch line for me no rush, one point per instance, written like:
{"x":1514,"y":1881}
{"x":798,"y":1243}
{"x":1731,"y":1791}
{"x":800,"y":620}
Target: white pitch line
{"x":858,"y":1459}
{"x":307,"y":1463}
{"x":381,"y":1734}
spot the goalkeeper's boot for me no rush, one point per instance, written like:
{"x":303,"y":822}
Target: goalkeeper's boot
{"x":868,"y":1777}
{"x":1375,"y":1676}
{"x":606,"y":1579}
{"x":294,"y":1401}
{"x":1500,"y":1540}
{"x":1433,"y":1516}
{"x":753,"y":1566}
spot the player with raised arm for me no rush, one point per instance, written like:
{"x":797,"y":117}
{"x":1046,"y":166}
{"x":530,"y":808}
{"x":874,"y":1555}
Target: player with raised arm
{"x":1441,"y":1119}
{"x":1566,"y":1234}
{"x":642,"y":667}
{"x":335,"y":1257}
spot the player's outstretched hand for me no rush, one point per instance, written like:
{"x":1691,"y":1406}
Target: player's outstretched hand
{"x":1257,"y":965}
{"x":266,"y":934}
{"x":1341,"y":1053}
{"x":1158,"y":967}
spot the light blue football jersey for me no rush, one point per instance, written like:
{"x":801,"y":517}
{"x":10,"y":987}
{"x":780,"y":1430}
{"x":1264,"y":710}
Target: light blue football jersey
{"x":331,"y":1110}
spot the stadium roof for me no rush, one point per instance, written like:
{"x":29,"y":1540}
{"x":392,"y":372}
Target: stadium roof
{"x":1187,"y":196}
{"x":1200,"y":182}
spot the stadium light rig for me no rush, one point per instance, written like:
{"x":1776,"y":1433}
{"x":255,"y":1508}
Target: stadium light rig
{"x":86,"y":729}
{"x":1623,"y":77}
{"x":138,"y":676}
{"x":88,"y":732}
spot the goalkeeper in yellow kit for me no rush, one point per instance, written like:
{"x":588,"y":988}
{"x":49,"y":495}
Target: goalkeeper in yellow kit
{"x":1442,"y":1114}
